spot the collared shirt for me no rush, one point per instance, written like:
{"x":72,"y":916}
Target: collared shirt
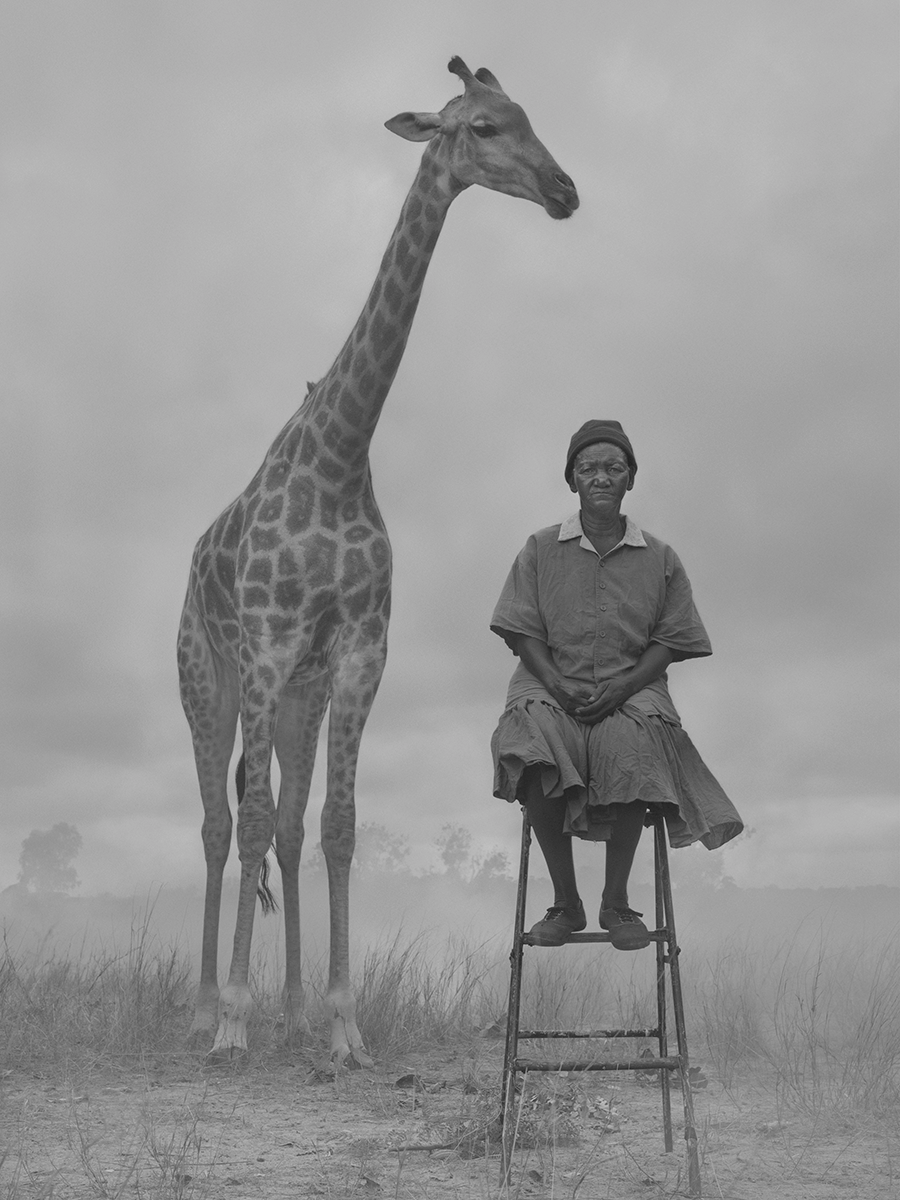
{"x":598,"y":613}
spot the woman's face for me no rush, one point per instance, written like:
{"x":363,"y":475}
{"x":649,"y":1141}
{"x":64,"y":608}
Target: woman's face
{"x":601,"y":477}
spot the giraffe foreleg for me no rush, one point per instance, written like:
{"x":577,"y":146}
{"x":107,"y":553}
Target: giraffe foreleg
{"x":354,"y":687}
{"x":296,"y":734}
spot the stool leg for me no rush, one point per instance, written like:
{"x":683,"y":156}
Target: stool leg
{"x":690,"y":1130}
{"x":659,"y":850}
{"x":508,"y":1087}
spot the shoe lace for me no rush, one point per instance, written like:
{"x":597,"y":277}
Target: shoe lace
{"x":556,"y":910}
{"x":628,"y":916}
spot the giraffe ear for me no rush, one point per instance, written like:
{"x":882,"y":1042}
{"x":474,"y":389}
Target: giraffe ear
{"x":415,"y":127}
{"x":483,"y":75}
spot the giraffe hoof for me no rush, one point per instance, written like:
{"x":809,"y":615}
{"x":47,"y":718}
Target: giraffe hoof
{"x":345,"y":1058}
{"x":226,"y":1056}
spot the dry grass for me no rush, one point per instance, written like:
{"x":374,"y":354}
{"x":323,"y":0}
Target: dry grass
{"x":815,"y":1025}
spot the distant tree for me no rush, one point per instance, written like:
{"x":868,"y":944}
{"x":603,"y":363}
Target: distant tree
{"x":454,"y":845}
{"x":492,"y":868}
{"x":46,"y":859}
{"x":379,"y":850}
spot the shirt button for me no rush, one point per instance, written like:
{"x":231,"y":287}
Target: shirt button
{"x":603,"y":635}
{"x":603,"y":585}
{"x":603,"y":608}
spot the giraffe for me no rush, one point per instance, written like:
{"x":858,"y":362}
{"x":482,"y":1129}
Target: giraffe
{"x":288,"y":599}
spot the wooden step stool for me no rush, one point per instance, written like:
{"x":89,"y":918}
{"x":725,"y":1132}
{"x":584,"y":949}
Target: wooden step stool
{"x":667,"y":953}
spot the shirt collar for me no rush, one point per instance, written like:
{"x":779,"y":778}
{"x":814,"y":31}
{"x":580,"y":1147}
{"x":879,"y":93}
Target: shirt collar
{"x":571,"y":528}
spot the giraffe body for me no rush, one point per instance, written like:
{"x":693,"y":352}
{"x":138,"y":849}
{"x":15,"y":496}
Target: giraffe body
{"x":288,"y":601}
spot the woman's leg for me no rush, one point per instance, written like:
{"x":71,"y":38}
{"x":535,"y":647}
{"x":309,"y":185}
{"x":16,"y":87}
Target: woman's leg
{"x":620,"y":850}
{"x":547,"y":817}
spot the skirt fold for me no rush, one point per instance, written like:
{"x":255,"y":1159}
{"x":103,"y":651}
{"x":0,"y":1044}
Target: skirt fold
{"x":626,"y":757}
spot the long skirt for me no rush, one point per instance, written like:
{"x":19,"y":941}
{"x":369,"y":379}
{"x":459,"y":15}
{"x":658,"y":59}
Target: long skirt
{"x":626,"y":757}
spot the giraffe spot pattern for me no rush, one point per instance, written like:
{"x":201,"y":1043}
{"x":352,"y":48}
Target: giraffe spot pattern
{"x":259,"y":571}
{"x":255,"y":597}
{"x":252,"y":627}
{"x":261,"y":540}
{"x":351,"y":411}
{"x":383,"y":335}
{"x":355,"y":569}
{"x":271,"y":509}
{"x":301,"y":502}
{"x":367,"y":383}
{"x":321,"y":602}
{"x":328,"y":510}
{"x":289,"y":594}
{"x":231,"y":534}
{"x":287,"y":562}
{"x":280,"y":628}
{"x":308,"y":447}
{"x":393,"y":296}
{"x":320,"y":556}
{"x":358,"y":603}
{"x":250,"y":511}
{"x":225,"y":570}
{"x":373,"y":628}
{"x":404,"y":259}
{"x":391,"y":361}
{"x":331,"y":469}
{"x":266,"y":675}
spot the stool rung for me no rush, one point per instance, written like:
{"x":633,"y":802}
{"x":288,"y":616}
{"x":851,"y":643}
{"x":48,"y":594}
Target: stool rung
{"x":587,"y":1033}
{"x":630,"y":1064}
{"x":574,"y":939}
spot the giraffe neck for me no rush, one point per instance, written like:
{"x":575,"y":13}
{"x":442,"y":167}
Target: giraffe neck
{"x":344,"y":406}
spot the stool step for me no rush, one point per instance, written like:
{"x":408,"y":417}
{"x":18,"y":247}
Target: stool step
{"x":587,"y":1033}
{"x":672,"y":1063}
{"x":574,"y":939}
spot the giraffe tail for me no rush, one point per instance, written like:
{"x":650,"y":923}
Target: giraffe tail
{"x":267,"y":901}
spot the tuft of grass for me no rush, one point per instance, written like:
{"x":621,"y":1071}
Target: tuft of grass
{"x":834,"y":1037}
{"x":407,"y":999}
{"x":113,"y":1004}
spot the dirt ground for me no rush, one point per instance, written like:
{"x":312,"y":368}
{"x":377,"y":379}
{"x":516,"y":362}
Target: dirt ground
{"x":282,"y":1128}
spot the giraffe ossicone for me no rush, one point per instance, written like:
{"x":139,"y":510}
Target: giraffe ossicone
{"x":288,"y":599}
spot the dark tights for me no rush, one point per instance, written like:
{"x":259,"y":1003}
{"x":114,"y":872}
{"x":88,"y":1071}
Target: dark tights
{"x":547,"y":818}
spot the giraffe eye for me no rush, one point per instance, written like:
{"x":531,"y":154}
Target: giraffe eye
{"x":483,"y":130}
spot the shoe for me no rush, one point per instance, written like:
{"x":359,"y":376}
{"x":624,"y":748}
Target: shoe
{"x":558,"y":925}
{"x":626,"y":929}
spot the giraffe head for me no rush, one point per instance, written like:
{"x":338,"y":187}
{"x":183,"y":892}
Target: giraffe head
{"x":486,"y":138}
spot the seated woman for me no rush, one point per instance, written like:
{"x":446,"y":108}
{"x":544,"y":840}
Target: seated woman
{"x":595,"y":609}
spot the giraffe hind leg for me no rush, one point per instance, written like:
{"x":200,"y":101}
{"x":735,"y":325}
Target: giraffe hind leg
{"x":209,"y":694}
{"x":296,"y":735}
{"x":267,"y":901}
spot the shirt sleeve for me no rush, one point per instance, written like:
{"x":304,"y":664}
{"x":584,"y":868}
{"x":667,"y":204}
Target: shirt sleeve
{"x":679,"y":627}
{"x":518,"y":609}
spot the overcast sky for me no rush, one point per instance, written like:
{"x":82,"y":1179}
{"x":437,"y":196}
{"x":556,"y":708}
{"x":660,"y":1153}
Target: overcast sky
{"x":195,"y":200}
